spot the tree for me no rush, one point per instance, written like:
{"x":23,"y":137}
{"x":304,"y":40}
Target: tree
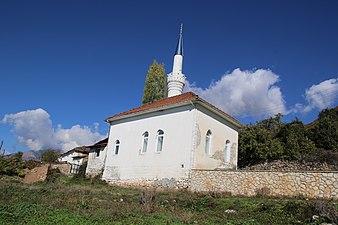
{"x":13,"y":166}
{"x":296,"y":143}
{"x":325,"y":131}
{"x":50,"y":156}
{"x":270,"y":139}
{"x":272,"y":123}
{"x":257,"y":144}
{"x":156,"y":84}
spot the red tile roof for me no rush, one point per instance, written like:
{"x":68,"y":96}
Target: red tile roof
{"x":81,"y":149}
{"x":188,"y":96}
{"x":101,"y":143}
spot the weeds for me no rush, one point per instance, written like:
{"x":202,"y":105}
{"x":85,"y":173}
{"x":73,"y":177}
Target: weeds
{"x":89,"y":201}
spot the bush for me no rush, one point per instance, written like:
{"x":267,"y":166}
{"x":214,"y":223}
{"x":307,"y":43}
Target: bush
{"x":327,"y":211}
{"x":53,"y":175}
{"x":13,"y":166}
{"x":322,"y":155}
{"x":97,"y":180}
{"x":81,"y":175}
{"x":325,"y":130}
{"x":50,"y":156}
{"x":31,"y":164}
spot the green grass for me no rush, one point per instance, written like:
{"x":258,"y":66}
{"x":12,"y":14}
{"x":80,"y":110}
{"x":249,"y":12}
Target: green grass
{"x":68,"y":201}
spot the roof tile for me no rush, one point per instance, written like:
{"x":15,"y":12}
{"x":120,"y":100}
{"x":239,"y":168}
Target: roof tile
{"x":188,"y":96}
{"x":167,"y":101}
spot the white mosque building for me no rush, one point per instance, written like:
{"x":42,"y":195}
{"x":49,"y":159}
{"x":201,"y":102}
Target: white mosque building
{"x":169,"y":138}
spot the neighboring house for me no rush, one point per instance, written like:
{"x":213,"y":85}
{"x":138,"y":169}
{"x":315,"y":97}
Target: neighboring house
{"x":96,"y":158}
{"x":169,"y":138}
{"x":76,"y":157}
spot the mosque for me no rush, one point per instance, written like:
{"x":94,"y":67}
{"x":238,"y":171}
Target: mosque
{"x":167,"y":139}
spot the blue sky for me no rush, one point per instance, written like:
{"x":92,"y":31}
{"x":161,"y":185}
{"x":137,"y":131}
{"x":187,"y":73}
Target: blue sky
{"x":67,"y":65}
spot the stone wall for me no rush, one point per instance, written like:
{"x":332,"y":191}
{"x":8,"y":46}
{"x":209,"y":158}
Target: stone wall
{"x":92,"y":172}
{"x":64,"y":168}
{"x":271,"y":183}
{"x":162,"y":184}
{"x":282,"y":165}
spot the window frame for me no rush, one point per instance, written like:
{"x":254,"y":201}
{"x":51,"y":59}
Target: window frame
{"x":145,"y":142}
{"x":208,"y":142}
{"x":117,"y":147}
{"x":159,"y":144}
{"x":227,"y":155}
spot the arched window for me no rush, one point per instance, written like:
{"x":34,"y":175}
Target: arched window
{"x":208,"y":137}
{"x":145,"y":142}
{"x":117,"y":147}
{"x":160,"y":137}
{"x":227,"y":151}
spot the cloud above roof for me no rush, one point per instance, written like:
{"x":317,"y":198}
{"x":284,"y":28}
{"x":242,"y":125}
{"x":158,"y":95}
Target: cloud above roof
{"x":255,"y":93}
{"x":34,"y":129}
{"x":244,"y":93}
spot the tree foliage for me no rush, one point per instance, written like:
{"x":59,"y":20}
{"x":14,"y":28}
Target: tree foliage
{"x":156,"y":84}
{"x":270,"y":139}
{"x":325,"y":130}
{"x":13,"y":165}
{"x":296,"y":142}
{"x":50,"y":156}
{"x":257,"y":144}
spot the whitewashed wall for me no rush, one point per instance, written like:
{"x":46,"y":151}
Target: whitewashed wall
{"x":69,"y":158}
{"x":173,"y":162}
{"x":95,"y":163}
{"x":221,"y":132}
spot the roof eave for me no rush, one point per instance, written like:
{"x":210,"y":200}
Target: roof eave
{"x":218,"y":112}
{"x":160,"y":108}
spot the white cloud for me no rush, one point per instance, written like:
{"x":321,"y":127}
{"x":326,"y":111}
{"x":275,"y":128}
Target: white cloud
{"x":76,"y":136}
{"x":245,"y":93}
{"x":33,"y":129}
{"x":320,"y":96}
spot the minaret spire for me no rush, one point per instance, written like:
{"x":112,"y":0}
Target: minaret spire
{"x":179,"y":47}
{"x":176,"y":79}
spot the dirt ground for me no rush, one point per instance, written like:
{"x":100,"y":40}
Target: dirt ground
{"x":36,"y":174}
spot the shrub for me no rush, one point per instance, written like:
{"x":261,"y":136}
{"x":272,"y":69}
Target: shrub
{"x":50,"y":156}
{"x":53,"y":175}
{"x":97,"y":180}
{"x":326,"y":210}
{"x":12,"y":166}
{"x":81,"y":175}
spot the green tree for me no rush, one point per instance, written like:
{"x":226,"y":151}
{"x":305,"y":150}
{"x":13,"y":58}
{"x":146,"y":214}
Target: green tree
{"x":257,"y":144}
{"x":325,"y":131}
{"x":272,"y":123}
{"x":295,"y":141}
{"x":156,"y":84}
{"x":270,"y":139}
{"x":13,"y":165}
{"x":50,"y":156}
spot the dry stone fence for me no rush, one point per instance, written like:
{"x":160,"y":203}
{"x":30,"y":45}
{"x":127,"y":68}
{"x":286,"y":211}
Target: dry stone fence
{"x":310,"y":184}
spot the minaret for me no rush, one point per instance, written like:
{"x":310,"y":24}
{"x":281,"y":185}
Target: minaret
{"x":176,"y":79}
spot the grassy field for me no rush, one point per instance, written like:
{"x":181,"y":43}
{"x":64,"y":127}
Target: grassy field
{"x":71,"y":201}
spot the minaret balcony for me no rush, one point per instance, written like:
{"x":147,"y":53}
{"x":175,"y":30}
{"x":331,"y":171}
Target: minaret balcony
{"x":176,"y":77}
